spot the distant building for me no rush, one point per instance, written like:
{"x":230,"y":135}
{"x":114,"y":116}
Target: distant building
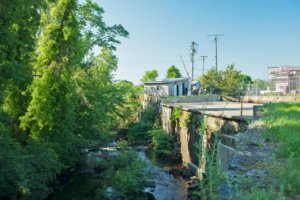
{"x":284,"y":79}
{"x":166,"y":87}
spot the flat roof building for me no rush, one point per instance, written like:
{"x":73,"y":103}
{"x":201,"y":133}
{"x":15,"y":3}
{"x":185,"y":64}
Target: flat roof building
{"x":166,"y":87}
{"x":284,"y":79}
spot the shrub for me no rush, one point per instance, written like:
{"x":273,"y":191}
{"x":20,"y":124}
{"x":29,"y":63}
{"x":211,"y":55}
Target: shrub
{"x":150,"y":114}
{"x":161,"y":142}
{"x":260,"y":194}
{"x":139,"y":131}
{"x":124,"y":176}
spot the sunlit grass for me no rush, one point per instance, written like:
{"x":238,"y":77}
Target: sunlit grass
{"x":282,"y":122}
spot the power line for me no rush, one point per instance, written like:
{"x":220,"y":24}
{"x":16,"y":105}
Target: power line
{"x":203,"y":59}
{"x":216,"y":43}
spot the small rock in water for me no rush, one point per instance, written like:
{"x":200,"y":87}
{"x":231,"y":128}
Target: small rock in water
{"x":109,"y":191}
{"x":82,"y":151}
{"x":148,"y":189}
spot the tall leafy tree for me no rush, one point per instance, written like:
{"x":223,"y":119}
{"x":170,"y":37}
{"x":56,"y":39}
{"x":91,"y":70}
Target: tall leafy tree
{"x":19,"y":23}
{"x":173,"y":72}
{"x":97,"y":96}
{"x":48,"y":77}
{"x":95,"y":31}
{"x":50,"y":115}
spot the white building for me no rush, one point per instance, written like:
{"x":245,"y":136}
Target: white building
{"x":166,"y":87}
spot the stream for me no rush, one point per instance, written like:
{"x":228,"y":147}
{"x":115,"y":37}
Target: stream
{"x":83,"y":183}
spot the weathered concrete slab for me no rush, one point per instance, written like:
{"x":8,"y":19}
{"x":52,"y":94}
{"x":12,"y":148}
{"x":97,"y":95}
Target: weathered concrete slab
{"x":230,"y":110}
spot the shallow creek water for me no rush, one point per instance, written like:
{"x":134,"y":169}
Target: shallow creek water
{"x":83,"y":183}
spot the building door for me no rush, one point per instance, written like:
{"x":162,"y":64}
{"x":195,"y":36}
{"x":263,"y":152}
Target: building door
{"x":175,"y":90}
{"x":180,"y":90}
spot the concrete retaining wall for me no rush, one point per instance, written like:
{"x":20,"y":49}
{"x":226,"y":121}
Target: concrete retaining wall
{"x":263,"y":99}
{"x":186,"y":136}
{"x":190,"y":99}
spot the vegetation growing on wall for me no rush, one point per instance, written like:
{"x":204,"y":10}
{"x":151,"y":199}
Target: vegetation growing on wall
{"x":207,"y":154}
{"x":176,"y":114}
{"x":186,"y":119}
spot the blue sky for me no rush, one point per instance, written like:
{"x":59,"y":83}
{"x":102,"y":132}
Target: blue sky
{"x":257,"y":34}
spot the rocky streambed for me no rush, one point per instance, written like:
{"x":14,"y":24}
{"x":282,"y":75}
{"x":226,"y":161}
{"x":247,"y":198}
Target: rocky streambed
{"x":247,"y":165}
{"x":165,"y":181}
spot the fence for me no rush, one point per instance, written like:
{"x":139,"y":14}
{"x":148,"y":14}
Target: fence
{"x":276,"y":87}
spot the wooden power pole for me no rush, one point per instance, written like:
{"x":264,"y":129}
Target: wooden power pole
{"x":203,"y":60}
{"x":216,"y":36}
{"x":193,"y":52}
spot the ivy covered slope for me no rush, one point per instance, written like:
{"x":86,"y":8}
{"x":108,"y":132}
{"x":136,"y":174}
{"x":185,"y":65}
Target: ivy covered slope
{"x":54,"y":92}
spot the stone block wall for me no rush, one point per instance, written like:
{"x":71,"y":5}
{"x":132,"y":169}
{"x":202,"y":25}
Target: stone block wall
{"x":190,"y":143}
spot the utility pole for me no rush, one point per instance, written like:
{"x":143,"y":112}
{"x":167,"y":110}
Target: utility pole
{"x":193,"y":52}
{"x":216,"y":43}
{"x":203,"y":59}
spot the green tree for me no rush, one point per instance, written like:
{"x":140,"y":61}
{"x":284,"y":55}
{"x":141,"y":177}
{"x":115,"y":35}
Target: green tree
{"x":173,"y":72}
{"x":245,"y":79}
{"x":47,"y":75}
{"x":211,"y":81}
{"x":228,"y":82}
{"x":97,"y":95}
{"x":19,"y":26}
{"x":95,"y":31}
{"x":231,"y":83}
{"x":130,"y":102}
{"x":149,"y":76}
{"x":50,"y":114}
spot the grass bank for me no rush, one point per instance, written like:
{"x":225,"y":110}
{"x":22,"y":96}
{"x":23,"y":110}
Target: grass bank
{"x":281,"y":123}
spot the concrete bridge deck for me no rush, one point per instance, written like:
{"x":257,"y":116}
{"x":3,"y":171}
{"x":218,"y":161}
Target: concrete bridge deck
{"x":229,"y":110}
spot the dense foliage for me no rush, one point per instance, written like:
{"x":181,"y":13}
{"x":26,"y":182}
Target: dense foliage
{"x":149,"y":76}
{"x":124,"y":176}
{"x":161,"y":141}
{"x":229,"y":82}
{"x":173,"y":72}
{"x":140,"y":131}
{"x":54,"y":92}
